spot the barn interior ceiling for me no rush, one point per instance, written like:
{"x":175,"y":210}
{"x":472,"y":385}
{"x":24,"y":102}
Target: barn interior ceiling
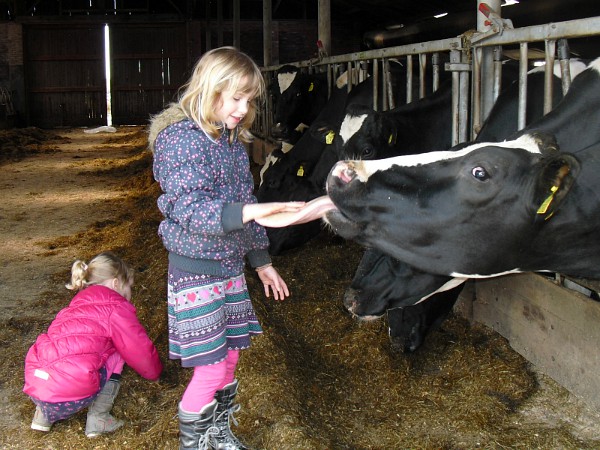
{"x":382,"y":22}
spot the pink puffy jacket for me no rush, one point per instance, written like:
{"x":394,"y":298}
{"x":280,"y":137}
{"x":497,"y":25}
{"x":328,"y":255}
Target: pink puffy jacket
{"x":63,"y":364}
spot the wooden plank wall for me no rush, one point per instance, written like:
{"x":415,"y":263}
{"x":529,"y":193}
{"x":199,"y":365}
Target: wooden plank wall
{"x":149,"y":64}
{"x":555,"y":328}
{"x":64,"y":73}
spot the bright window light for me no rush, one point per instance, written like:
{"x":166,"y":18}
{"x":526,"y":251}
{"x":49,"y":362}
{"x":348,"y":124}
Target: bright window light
{"x":107,"y":74}
{"x":510,"y":2}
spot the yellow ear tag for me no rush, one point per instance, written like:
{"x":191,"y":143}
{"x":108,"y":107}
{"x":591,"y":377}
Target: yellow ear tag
{"x":544,"y":206}
{"x":329,"y":137}
{"x":300,"y":172}
{"x":311,"y":87}
{"x":390,"y":139}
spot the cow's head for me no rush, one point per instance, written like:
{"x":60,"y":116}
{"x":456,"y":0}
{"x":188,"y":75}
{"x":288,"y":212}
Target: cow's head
{"x":467,"y":212}
{"x":366,"y":134}
{"x":382,"y":282}
{"x":299,"y":97}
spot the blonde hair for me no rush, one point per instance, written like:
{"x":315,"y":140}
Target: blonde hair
{"x":102,"y":267}
{"x":217,"y":71}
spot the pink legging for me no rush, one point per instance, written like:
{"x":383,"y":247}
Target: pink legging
{"x":206,"y":380}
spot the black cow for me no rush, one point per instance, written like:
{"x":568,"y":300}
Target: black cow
{"x":415,"y":301}
{"x":490,"y":208}
{"x":368,"y":134}
{"x":299,"y":98}
{"x":380,"y":280}
{"x":300,"y":174}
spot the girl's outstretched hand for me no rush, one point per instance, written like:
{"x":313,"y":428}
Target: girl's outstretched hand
{"x":256,"y":211}
{"x":271,"y":280}
{"x":313,"y":210}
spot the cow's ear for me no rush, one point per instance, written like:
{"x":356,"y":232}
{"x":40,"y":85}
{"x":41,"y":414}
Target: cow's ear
{"x":554,"y":181}
{"x":325,"y":135}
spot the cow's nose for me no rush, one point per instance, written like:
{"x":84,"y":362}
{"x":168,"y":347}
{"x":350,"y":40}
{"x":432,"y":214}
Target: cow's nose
{"x":344,"y":172}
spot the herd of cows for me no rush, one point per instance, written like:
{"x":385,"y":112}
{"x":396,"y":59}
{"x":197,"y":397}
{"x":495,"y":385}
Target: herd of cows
{"x":430,"y":215}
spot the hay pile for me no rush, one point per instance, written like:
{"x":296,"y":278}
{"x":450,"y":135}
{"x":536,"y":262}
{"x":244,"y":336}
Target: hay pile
{"x":315,"y":380}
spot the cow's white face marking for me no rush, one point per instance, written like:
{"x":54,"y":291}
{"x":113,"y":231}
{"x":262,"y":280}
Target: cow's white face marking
{"x":493,"y":275}
{"x":364,"y":169}
{"x":269,"y":161}
{"x":595,"y":64}
{"x":450,"y":284}
{"x":350,"y":126}
{"x":285,"y":80}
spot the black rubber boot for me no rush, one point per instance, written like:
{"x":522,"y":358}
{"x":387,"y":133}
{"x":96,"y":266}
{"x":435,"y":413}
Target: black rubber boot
{"x":197,"y":431}
{"x":225,"y":397}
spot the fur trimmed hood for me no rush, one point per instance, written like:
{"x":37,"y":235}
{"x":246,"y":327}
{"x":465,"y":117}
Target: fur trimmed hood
{"x":172,"y":114}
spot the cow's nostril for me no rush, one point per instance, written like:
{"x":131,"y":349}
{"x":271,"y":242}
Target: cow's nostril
{"x":347,"y":175}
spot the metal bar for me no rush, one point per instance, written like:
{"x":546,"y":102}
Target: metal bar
{"x":455,"y":58}
{"x":435,"y":63}
{"x":409,"y":78}
{"x":565,"y":66}
{"x":568,"y":29}
{"x":422,"y":69}
{"x":375,"y":84}
{"x":523,"y":63}
{"x":384,"y":94}
{"x":463,"y":104}
{"x":388,"y":85}
{"x":443,"y":45}
{"x":476,"y":104}
{"x":549,"y":75}
{"x":497,"y":72}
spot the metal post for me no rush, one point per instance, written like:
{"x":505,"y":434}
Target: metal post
{"x":435,"y":63}
{"x":422,"y":69}
{"x":549,"y":75}
{"x":236,"y":24}
{"x":565,"y":66}
{"x":409,"y":78}
{"x":267,"y":37}
{"x":375,"y":84}
{"x":487,"y":63}
{"x":476,"y":119}
{"x":523,"y":66}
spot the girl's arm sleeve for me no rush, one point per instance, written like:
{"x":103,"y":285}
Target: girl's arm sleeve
{"x":133,"y":344}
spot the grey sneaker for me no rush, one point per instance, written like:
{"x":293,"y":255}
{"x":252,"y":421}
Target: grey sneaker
{"x":39,"y":422}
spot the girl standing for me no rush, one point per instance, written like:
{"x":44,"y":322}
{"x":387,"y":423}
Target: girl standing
{"x":211,"y":225}
{"x":78,"y":362}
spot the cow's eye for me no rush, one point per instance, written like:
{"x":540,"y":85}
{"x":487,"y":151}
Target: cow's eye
{"x":480,"y":173}
{"x":367,"y":152}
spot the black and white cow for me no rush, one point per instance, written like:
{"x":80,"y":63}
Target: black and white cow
{"x":490,"y":208}
{"x":369,"y":134}
{"x":300,"y":174}
{"x":299,"y":97}
{"x":483,"y":211}
{"x":384,"y":282}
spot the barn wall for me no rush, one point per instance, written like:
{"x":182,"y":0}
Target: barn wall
{"x":293,"y":40}
{"x":553,"y":327}
{"x":12,"y":85}
{"x":149,"y":64}
{"x":64,"y":75}
{"x":55,"y":71}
